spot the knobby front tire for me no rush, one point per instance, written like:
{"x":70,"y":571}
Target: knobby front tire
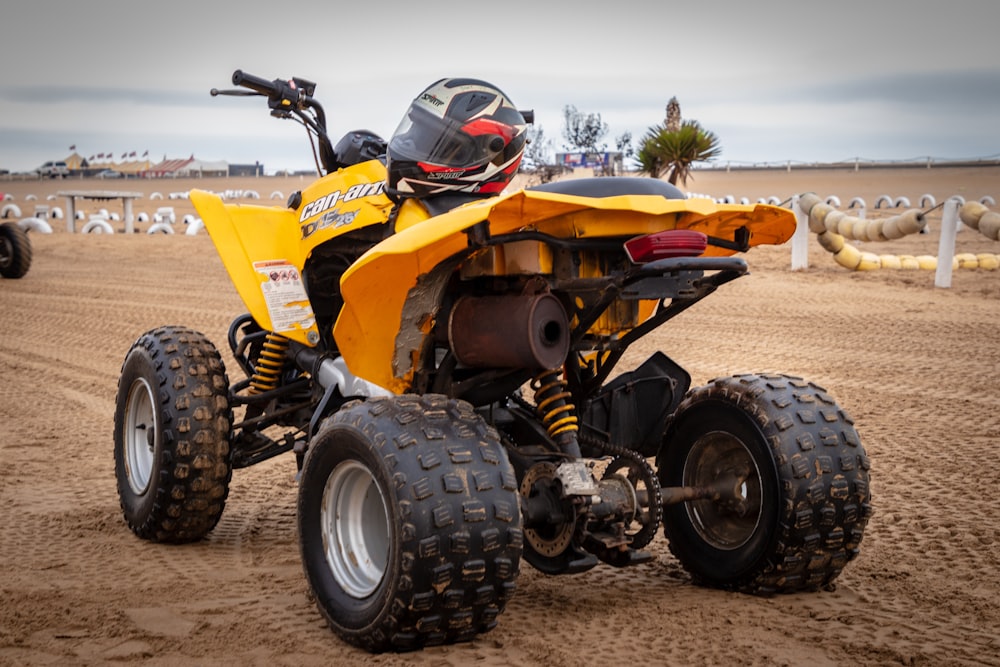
{"x":409,"y":523}
{"x":172,"y":431}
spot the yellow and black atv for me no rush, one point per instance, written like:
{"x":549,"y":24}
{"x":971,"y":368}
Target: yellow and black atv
{"x":15,"y":251}
{"x":444,"y":367}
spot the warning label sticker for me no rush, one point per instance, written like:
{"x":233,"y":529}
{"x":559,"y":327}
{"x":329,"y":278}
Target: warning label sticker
{"x":285,"y":295}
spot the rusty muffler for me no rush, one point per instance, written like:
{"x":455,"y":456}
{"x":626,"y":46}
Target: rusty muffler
{"x":518,"y":331}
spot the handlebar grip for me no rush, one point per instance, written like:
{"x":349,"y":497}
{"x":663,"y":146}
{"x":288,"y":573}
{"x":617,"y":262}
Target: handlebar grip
{"x":263,"y":86}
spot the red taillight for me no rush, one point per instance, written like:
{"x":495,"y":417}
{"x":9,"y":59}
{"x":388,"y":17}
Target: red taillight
{"x":668,"y":243}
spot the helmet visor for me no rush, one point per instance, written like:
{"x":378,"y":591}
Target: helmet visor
{"x":424,"y":137}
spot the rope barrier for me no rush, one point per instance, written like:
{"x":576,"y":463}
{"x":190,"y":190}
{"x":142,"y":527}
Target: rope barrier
{"x":833,"y":228}
{"x":981,"y":219}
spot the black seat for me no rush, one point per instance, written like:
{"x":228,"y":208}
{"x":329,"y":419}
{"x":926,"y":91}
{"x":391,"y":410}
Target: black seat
{"x":611,"y":187}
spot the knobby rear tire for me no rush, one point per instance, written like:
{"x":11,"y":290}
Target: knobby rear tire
{"x":800,"y":514}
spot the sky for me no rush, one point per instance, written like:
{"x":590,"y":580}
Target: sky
{"x":776,"y":81}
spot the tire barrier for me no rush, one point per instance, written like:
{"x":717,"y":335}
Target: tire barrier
{"x":165,"y":214}
{"x":97,"y":225}
{"x":35,"y":225}
{"x":833,"y":228}
{"x":240,"y":194}
{"x":11,"y":210}
{"x":883,"y":199}
{"x":194,"y":227}
{"x":30,"y":198}
{"x":277,"y":195}
{"x":161,"y":227}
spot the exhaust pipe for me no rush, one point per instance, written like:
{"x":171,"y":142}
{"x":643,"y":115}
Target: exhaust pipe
{"x":520,"y":331}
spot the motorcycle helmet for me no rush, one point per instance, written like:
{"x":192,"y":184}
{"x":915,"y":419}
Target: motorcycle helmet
{"x":358,"y":146}
{"x":458,"y":136}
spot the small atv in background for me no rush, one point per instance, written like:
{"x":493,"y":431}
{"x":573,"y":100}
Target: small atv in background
{"x":15,"y":251}
{"x":445,"y":371}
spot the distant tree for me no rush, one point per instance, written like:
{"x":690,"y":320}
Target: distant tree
{"x":538,"y":158}
{"x":673,"y":146}
{"x":583,"y":131}
{"x":623,"y":142}
{"x":673,"y":115}
{"x":539,"y":148}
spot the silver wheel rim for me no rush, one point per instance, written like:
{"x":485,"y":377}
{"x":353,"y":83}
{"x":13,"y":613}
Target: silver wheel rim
{"x":355,"y":526}
{"x":722,"y":461}
{"x":141,"y":433}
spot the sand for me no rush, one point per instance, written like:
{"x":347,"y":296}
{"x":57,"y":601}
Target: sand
{"x":915,"y":365}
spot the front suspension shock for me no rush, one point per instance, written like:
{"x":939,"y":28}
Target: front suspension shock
{"x":267,"y":370}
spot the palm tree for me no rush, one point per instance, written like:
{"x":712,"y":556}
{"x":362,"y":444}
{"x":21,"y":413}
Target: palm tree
{"x":672,"y":147}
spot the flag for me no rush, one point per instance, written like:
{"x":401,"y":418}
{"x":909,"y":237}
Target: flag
{"x":132,"y":154}
{"x":100,"y":156}
{"x":73,"y":147}
{"x":124,"y":155}
{"x":145,"y":154}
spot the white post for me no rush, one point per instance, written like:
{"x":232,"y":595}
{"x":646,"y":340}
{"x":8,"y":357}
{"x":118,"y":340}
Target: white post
{"x":127,"y":210}
{"x":946,"y":247}
{"x":800,"y":239}
{"x":70,"y":213}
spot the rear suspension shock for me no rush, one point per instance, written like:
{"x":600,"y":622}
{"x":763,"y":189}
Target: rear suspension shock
{"x":556,"y":412}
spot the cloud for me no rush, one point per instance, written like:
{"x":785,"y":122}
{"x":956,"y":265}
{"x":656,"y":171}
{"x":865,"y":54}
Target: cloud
{"x":102,"y":95}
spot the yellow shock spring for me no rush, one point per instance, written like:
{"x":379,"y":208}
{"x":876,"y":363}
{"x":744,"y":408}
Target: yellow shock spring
{"x":557,"y":414}
{"x":267,"y":372}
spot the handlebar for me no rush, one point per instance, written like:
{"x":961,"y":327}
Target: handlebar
{"x":288,"y":98}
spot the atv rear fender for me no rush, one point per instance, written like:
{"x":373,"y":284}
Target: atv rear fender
{"x":393,"y":292}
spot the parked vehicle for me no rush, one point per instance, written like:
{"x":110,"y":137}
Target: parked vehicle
{"x":108,"y":173}
{"x":441,"y":357}
{"x":57,"y":169}
{"x":15,"y":251}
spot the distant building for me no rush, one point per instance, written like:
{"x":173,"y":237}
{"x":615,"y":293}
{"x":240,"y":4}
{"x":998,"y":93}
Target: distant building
{"x":166,"y":168}
{"x":607,"y":163}
{"x":200,"y":168}
{"x":129,"y":165}
{"x":255,"y":169}
{"x":185,"y":167}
